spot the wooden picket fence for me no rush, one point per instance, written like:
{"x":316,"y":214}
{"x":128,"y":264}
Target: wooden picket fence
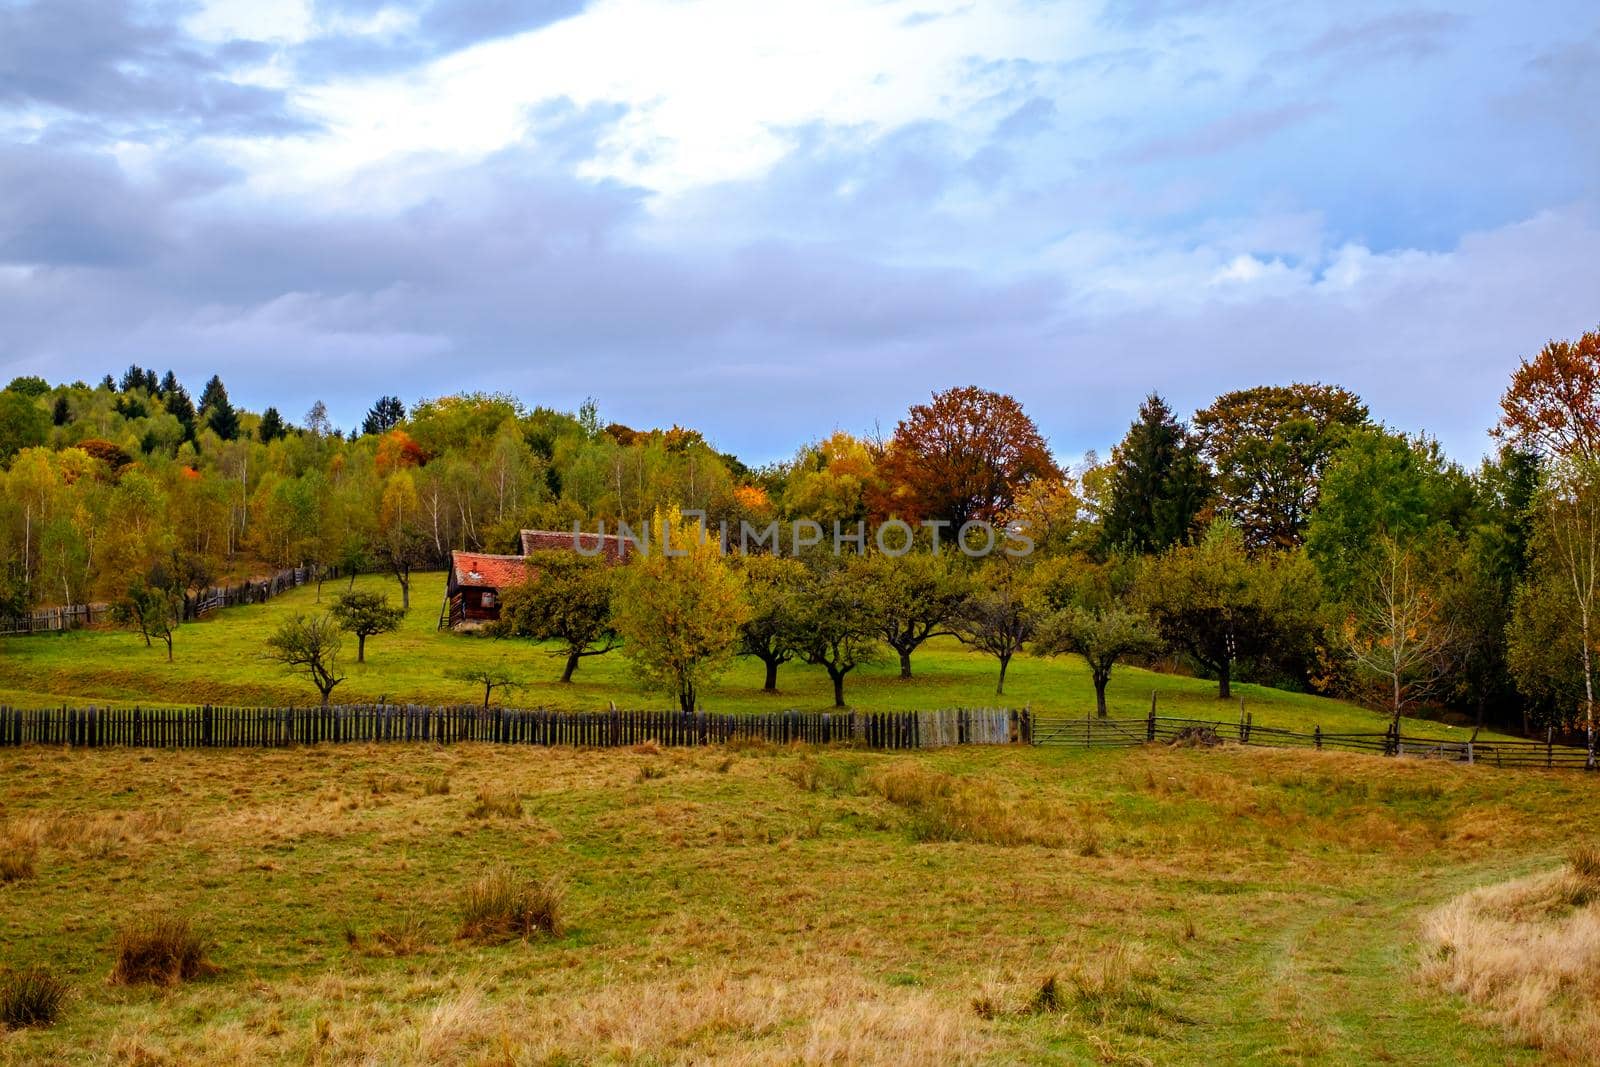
{"x":228,"y":727}
{"x":78,"y":616}
{"x":1118,"y":733}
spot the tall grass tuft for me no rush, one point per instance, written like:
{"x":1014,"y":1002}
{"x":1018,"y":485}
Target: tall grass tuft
{"x":503,"y":905}
{"x":32,"y":996}
{"x":160,"y":951}
{"x":17,"y":857}
{"x":494,"y":802}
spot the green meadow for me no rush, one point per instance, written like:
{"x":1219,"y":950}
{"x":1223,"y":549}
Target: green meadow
{"x":219,"y":661}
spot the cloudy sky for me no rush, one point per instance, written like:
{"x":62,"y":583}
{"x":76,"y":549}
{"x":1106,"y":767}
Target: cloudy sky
{"x":771,"y":219}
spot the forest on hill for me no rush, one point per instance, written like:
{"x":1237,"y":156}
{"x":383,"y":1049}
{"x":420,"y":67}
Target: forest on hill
{"x":1277,"y":535}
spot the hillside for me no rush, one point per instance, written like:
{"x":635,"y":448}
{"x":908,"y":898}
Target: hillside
{"x":219,"y":661}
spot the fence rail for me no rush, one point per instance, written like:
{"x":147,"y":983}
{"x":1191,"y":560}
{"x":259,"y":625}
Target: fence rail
{"x":78,"y":616}
{"x":227,"y":727}
{"x":1116,"y":733}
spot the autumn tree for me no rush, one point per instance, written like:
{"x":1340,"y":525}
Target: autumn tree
{"x":773,"y":586}
{"x":964,"y":455}
{"x":401,"y":541}
{"x":566,"y":598}
{"x":1157,"y":485}
{"x":998,"y":618}
{"x":309,"y":645}
{"x":836,"y":624}
{"x":679,"y":611}
{"x":1214,"y":602}
{"x":1268,"y":447}
{"x":1395,"y":629}
{"x":1552,"y":406}
{"x":911,"y":598}
{"x":366,"y":615}
{"x":1087,"y":609}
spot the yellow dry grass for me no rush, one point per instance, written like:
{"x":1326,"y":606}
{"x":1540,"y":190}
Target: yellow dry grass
{"x":1527,"y":953}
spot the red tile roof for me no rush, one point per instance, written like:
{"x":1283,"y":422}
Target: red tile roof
{"x":609,"y":545}
{"x":481,"y":570}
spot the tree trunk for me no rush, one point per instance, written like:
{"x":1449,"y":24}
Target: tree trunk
{"x":169,"y":648}
{"x":361,"y":648}
{"x":771,"y":685}
{"x":1000,"y":690}
{"x":1100,"y":695}
{"x":325,"y":695}
{"x":905,"y":665}
{"x":686,"y":701}
{"x":1224,"y":690}
{"x":572,"y":665}
{"x":838,"y":687}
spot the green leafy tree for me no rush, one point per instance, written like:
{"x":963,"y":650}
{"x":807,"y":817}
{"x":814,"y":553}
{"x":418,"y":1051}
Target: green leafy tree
{"x":773,"y":586}
{"x":1268,"y":447}
{"x":679,"y":611}
{"x":152,"y":607}
{"x":1157,"y":483}
{"x":309,"y":645}
{"x":366,"y":615}
{"x":998,"y":618}
{"x":1087,"y":609}
{"x":23,"y":424}
{"x":836,"y":624}
{"x":1220,"y":606}
{"x":911,"y":598}
{"x":565,"y":598}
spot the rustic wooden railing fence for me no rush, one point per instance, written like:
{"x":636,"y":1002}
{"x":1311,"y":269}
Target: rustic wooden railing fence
{"x":78,"y":616}
{"x":227,"y":727}
{"x":1114,"y":733}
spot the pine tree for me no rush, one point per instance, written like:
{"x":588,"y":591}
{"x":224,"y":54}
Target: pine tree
{"x":271,"y":427}
{"x":109,"y":384}
{"x":1158,"y":484}
{"x":218,"y":411}
{"x":384,"y":416}
{"x":179,"y":406}
{"x":169,"y":384}
{"x":152,"y":385}
{"x":132,"y":378}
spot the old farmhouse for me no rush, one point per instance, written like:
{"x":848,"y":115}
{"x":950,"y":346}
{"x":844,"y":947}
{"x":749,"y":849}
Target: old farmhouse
{"x":476,"y":579}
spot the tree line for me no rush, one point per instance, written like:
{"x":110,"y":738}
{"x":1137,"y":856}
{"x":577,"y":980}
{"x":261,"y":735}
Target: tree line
{"x":1277,"y":535}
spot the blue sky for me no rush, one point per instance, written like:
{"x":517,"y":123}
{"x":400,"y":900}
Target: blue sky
{"x":769,"y":220}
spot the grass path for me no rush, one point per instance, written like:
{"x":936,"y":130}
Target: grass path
{"x":219,"y":661}
{"x":771,"y":904}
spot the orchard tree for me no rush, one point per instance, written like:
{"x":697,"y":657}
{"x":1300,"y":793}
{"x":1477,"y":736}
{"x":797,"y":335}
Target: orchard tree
{"x":679,"y":611}
{"x":1214,"y":602}
{"x":964,"y":455}
{"x":998,"y":617}
{"x":366,"y":615}
{"x":1087,"y":609}
{"x":152,"y":607}
{"x":911,"y":598}
{"x":1157,"y":485}
{"x":836,"y":625}
{"x":773,"y":586}
{"x":1552,"y":406}
{"x":565,"y":598}
{"x":309,"y":645}
{"x":489,"y":676}
{"x":1269,"y":446}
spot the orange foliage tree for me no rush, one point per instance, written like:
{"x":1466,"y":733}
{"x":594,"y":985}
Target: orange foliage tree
{"x":965,"y":455}
{"x":1553,"y":403}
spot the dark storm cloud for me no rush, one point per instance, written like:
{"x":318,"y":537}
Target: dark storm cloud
{"x":110,"y":62}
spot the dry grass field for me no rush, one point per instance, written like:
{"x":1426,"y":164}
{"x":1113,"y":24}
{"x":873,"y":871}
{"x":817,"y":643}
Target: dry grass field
{"x":483,"y":905}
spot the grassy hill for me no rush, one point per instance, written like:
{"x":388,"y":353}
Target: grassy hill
{"x":767,"y":905}
{"x":219,"y":661}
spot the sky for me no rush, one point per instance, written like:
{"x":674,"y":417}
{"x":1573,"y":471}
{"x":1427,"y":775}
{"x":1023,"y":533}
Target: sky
{"x":772,"y":220}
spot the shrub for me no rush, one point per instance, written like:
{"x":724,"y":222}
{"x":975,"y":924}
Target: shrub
{"x":503,"y":905}
{"x":16,"y":860}
{"x":30,"y":997}
{"x":160,"y":951}
{"x":493,"y":802}
{"x":1584,"y":860}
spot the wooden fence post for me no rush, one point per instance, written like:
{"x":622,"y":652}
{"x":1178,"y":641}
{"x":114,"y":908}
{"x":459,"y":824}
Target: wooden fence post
{"x":1150,"y":723}
{"x":1316,"y":737}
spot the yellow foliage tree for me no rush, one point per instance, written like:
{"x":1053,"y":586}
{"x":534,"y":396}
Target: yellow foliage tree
{"x":679,"y":609}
